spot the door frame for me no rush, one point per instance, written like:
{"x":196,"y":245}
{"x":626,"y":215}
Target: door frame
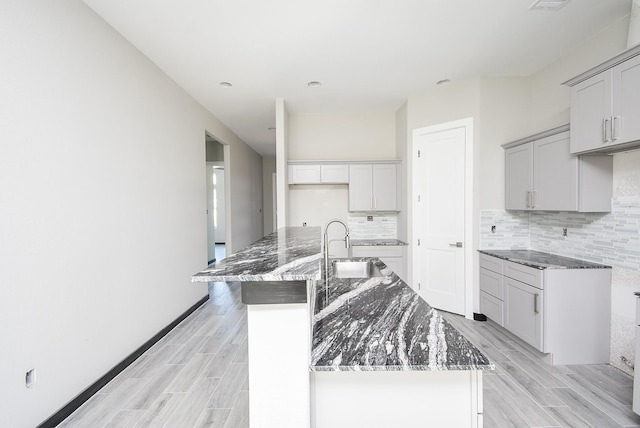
{"x":467,"y":124}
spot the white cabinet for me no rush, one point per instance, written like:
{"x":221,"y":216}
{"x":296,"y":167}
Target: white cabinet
{"x":605,"y":105}
{"x":318,"y":174}
{"x":542,"y":174}
{"x":523,"y":311}
{"x":373,"y":187}
{"x":391,"y":255}
{"x":563,"y":312}
{"x":492,"y":288}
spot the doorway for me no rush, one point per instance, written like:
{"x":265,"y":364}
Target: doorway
{"x":442,"y":206}
{"x":216,"y":206}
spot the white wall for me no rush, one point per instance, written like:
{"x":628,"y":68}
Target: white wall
{"x":342,"y":136}
{"x":268,"y":169}
{"x":282,"y":155}
{"x":102,"y":167}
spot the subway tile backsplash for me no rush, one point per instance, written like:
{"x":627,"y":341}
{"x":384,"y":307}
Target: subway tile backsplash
{"x":382,"y":226}
{"x":609,"y":238}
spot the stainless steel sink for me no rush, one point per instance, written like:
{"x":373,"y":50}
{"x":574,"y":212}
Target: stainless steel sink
{"x":355,"y":269}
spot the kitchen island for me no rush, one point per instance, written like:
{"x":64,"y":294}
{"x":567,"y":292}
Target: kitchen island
{"x":360,"y":352}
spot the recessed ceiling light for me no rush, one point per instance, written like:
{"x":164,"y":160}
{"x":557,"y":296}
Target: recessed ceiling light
{"x":443,"y":82}
{"x":225,"y":84}
{"x":314,"y":84}
{"x":548,"y":4}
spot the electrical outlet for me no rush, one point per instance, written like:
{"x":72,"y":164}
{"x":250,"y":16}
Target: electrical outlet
{"x":369,"y":218}
{"x":30,"y":378}
{"x":564,"y":231}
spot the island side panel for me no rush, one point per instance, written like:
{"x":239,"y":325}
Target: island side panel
{"x":279,"y":340}
{"x":408,"y":399}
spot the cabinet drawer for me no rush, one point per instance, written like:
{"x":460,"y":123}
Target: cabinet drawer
{"x":379,"y":251}
{"x":522,"y":273}
{"x":491,"y":307}
{"x":491,"y":282}
{"x":491,"y":263}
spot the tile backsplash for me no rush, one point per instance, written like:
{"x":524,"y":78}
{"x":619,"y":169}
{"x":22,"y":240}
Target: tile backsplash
{"x":610,"y":238}
{"x":382,"y":226}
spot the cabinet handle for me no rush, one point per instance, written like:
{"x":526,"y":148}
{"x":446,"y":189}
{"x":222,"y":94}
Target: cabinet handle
{"x":375,"y":203}
{"x":535,"y":304}
{"x":605,"y":123}
{"x":533,"y":198}
{"x":528,"y":198}
{"x":615,"y":131}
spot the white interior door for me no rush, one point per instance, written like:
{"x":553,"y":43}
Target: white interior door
{"x":439,"y":217}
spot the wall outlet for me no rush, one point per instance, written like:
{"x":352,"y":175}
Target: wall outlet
{"x":30,"y":378}
{"x":369,"y":218}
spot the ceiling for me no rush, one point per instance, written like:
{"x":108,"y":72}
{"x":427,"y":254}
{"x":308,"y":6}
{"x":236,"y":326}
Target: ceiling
{"x":369,"y":55}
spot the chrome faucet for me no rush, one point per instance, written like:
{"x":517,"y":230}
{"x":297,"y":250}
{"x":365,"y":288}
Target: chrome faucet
{"x":347,"y":244}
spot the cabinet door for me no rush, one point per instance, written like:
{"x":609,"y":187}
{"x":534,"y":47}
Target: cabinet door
{"x":591,"y":112}
{"x":626,"y":101}
{"x":337,"y":174}
{"x":523,"y":312}
{"x":555,"y":174}
{"x":360,"y":187}
{"x":304,"y":174}
{"x":384,"y":187}
{"x":518,"y":176}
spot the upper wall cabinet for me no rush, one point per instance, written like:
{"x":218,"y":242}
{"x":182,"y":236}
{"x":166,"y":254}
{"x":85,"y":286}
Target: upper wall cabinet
{"x":318,"y":174}
{"x":541,"y":174}
{"x":373,"y":187}
{"x":605,"y":106}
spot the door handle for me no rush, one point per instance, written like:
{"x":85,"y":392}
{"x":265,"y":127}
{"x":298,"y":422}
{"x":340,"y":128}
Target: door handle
{"x":456,"y":244}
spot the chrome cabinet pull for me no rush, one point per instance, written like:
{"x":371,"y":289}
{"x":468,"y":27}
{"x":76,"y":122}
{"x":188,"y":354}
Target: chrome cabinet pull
{"x":456,"y":244}
{"x":535,"y":304}
{"x":528,"y":199}
{"x":533,"y":198}
{"x":615,"y":128}
{"x":605,"y":125}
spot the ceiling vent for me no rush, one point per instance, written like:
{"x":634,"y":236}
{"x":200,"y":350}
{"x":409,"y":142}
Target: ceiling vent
{"x":548,"y":4}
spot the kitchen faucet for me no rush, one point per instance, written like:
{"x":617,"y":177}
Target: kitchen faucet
{"x":347,"y":244}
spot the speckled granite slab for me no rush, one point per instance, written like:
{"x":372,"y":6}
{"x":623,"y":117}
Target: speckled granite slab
{"x":290,"y":254}
{"x":540,"y":260}
{"x":374,"y":242}
{"x":381,"y":324}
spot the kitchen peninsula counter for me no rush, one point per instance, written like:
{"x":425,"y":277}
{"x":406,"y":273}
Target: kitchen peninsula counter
{"x":329,"y":358}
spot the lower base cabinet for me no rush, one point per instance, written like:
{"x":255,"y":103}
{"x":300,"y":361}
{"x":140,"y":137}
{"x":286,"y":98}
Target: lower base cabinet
{"x":391,"y":255}
{"x":562,"y":312}
{"x":523,"y":312}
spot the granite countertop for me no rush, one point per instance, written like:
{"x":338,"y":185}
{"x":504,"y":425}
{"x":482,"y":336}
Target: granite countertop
{"x":374,"y":324}
{"x":290,"y":254}
{"x":381,"y":324}
{"x":374,"y":242}
{"x":540,"y":260}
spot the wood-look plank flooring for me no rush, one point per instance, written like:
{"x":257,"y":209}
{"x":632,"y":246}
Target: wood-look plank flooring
{"x":525,"y":391}
{"x":197,"y":376}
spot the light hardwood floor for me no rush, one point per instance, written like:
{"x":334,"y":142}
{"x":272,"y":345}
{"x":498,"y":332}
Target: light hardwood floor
{"x":525,"y":391}
{"x":196,"y":376}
